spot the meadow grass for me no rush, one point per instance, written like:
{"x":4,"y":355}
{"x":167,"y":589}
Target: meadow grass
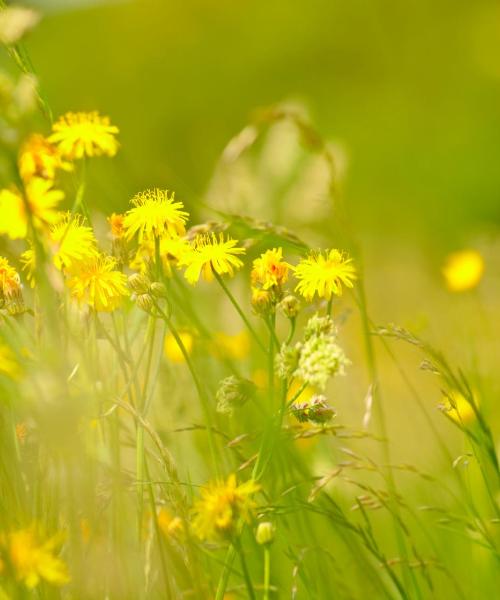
{"x":170,"y":399}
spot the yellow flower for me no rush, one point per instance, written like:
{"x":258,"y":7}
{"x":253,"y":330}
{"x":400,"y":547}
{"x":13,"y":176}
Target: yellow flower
{"x":84,"y":134}
{"x":269,"y":270}
{"x":235,"y":346}
{"x":172,"y":250}
{"x":208,"y":254}
{"x":116,"y":224}
{"x":173,"y":350}
{"x":40,"y":200}
{"x":33,"y":558}
{"x":458,"y":408}
{"x":11,"y":294}
{"x":73,"y":242}
{"x":221,"y":506}
{"x":170,"y":526}
{"x":155,"y":214}
{"x":96,"y":282}
{"x":463,"y":270}
{"x":39,"y":158}
{"x":324,"y":275}
{"x":8,"y":363}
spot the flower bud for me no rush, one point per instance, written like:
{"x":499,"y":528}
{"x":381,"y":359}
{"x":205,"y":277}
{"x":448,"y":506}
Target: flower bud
{"x":265,"y":533}
{"x":158,"y":289}
{"x":290,"y":306}
{"x":139,"y":283}
{"x":261,"y":300}
{"x":316,"y":410}
{"x":145,"y":302}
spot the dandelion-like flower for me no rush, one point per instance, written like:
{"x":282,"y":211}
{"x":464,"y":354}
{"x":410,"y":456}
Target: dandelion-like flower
{"x":155,"y":214}
{"x":270,"y":270}
{"x":221,"y":506}
{"x":33,"y":558}
{"x":97,"y":283}
{"x":116,"y":225}
{"x":211,"y":253}
{"x":463,"y":270}
{"x":11,"y":294}
{"x":72,"y":241}
{"x":84,"y":134}
{"x":41,"y":201}
{"x":39,"y":158}
{"x":324,"y":274}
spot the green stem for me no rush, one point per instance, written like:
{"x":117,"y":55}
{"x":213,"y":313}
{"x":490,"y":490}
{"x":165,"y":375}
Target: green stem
{"x":240,"y":312}
{"x":226,"y":571}
{"x":244,"y":567}
{"x":267,"y":572}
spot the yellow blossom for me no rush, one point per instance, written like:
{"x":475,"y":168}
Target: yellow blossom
{"x":235,"y":346}
{"x":84,"y":134}
{"x":172,"y":349}
{"x":324,"y":274}
{"x":170,"y":526}
{"x":8,"y":363}
{"x":463,"y":270}
{"x":32,"y":558}
{"x":155,"y":214}
{"x":270,"y":270}
{"x":172,"y":250}
{"x":11,"y":295}
{"x":208,"y":254}
{"x":40,"y":200}
{"x":221,"y":506}
{"x":39,"y":158}
{"x":97,"y":283}
{"x":116,"y":224}
{"x":458,"y":408}
{"x":72,"y":242}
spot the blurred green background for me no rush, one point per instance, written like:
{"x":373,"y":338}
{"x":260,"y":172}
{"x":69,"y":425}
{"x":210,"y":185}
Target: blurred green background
{"x":410,"y":89}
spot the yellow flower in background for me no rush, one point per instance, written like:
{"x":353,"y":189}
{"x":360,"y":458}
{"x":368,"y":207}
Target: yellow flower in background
{"x":72,"y":241}
{"x":221,"y":506}
{"x":211,"y":253}
{"x":84,"y":134}
{"x":11,"y":294}
{"x":172,"y":349}
{"x":235,"y":346}
{"x":270,"y":270}
{"x":33,"y":558}
{"x":116,"y":225}
{"x":324,"y":274}
{"x":170,"y":526}
{"x":8,"y":363}
{"x":155,"y":214}
{"x":463,"y":270}
{"x":39,"y":158}
{"x":97,"y":283}
{"x":41,"y":200}
{"x":172,"y":250}
{"x":458,"y":408}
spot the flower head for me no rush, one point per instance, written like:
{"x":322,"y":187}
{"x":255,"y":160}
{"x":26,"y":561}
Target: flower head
{"x":324,"y":274}
{"x":463,"y":270}
{"x":33,"y":558}
{"x":211,"y":253}
{"x":155,"y":214}
{"x":97,"y":283}
{"x":84,"y":134}
{"x":116,"y":225}
{"x":220,"y":507}
{"x":11,"y":295}
{"x":270,"y":270}
{"x":172,"y":349}
{"x":39,"y":158}
{"x":458,"y":408}
{"x":72,"y":241}
{"x":40,"y":200}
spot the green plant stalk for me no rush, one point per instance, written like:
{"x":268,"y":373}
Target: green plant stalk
{"x":267,"y":572}
{"x":239,"y":311}
{"x":244,"y":567}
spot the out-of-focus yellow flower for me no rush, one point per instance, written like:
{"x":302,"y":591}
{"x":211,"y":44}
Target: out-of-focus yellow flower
{"x":324,"y":274}
{"x":97,"y":283}
{"x":172,"y":349}
{"x":33,"y":559}
{"x":270,"y":270}
{"x":457,"y":408}
{"x":41,"y":200}
{"x":15,"y":22}
{"x":73,"y":242}
{"x":39,"y":158}
{"x":11,"y":295}
{"x":221,"y":506}
{"x":208,"y":254}
{"x":235,"y":346}
{"x":463,"y":270}
{"x":155,"y":214}
{"x":8,"y":363}
{"x":172,"y":249}
{"x":170,"y":526}
{"x":84,"y":134}
{"x":116,"y":225}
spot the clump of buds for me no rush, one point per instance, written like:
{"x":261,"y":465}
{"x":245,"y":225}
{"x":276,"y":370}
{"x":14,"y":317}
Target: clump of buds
{"x":233,"y":393}
{"x":316,"y":410}
{"x":290,"y":306}
{"x":144,"y":292}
